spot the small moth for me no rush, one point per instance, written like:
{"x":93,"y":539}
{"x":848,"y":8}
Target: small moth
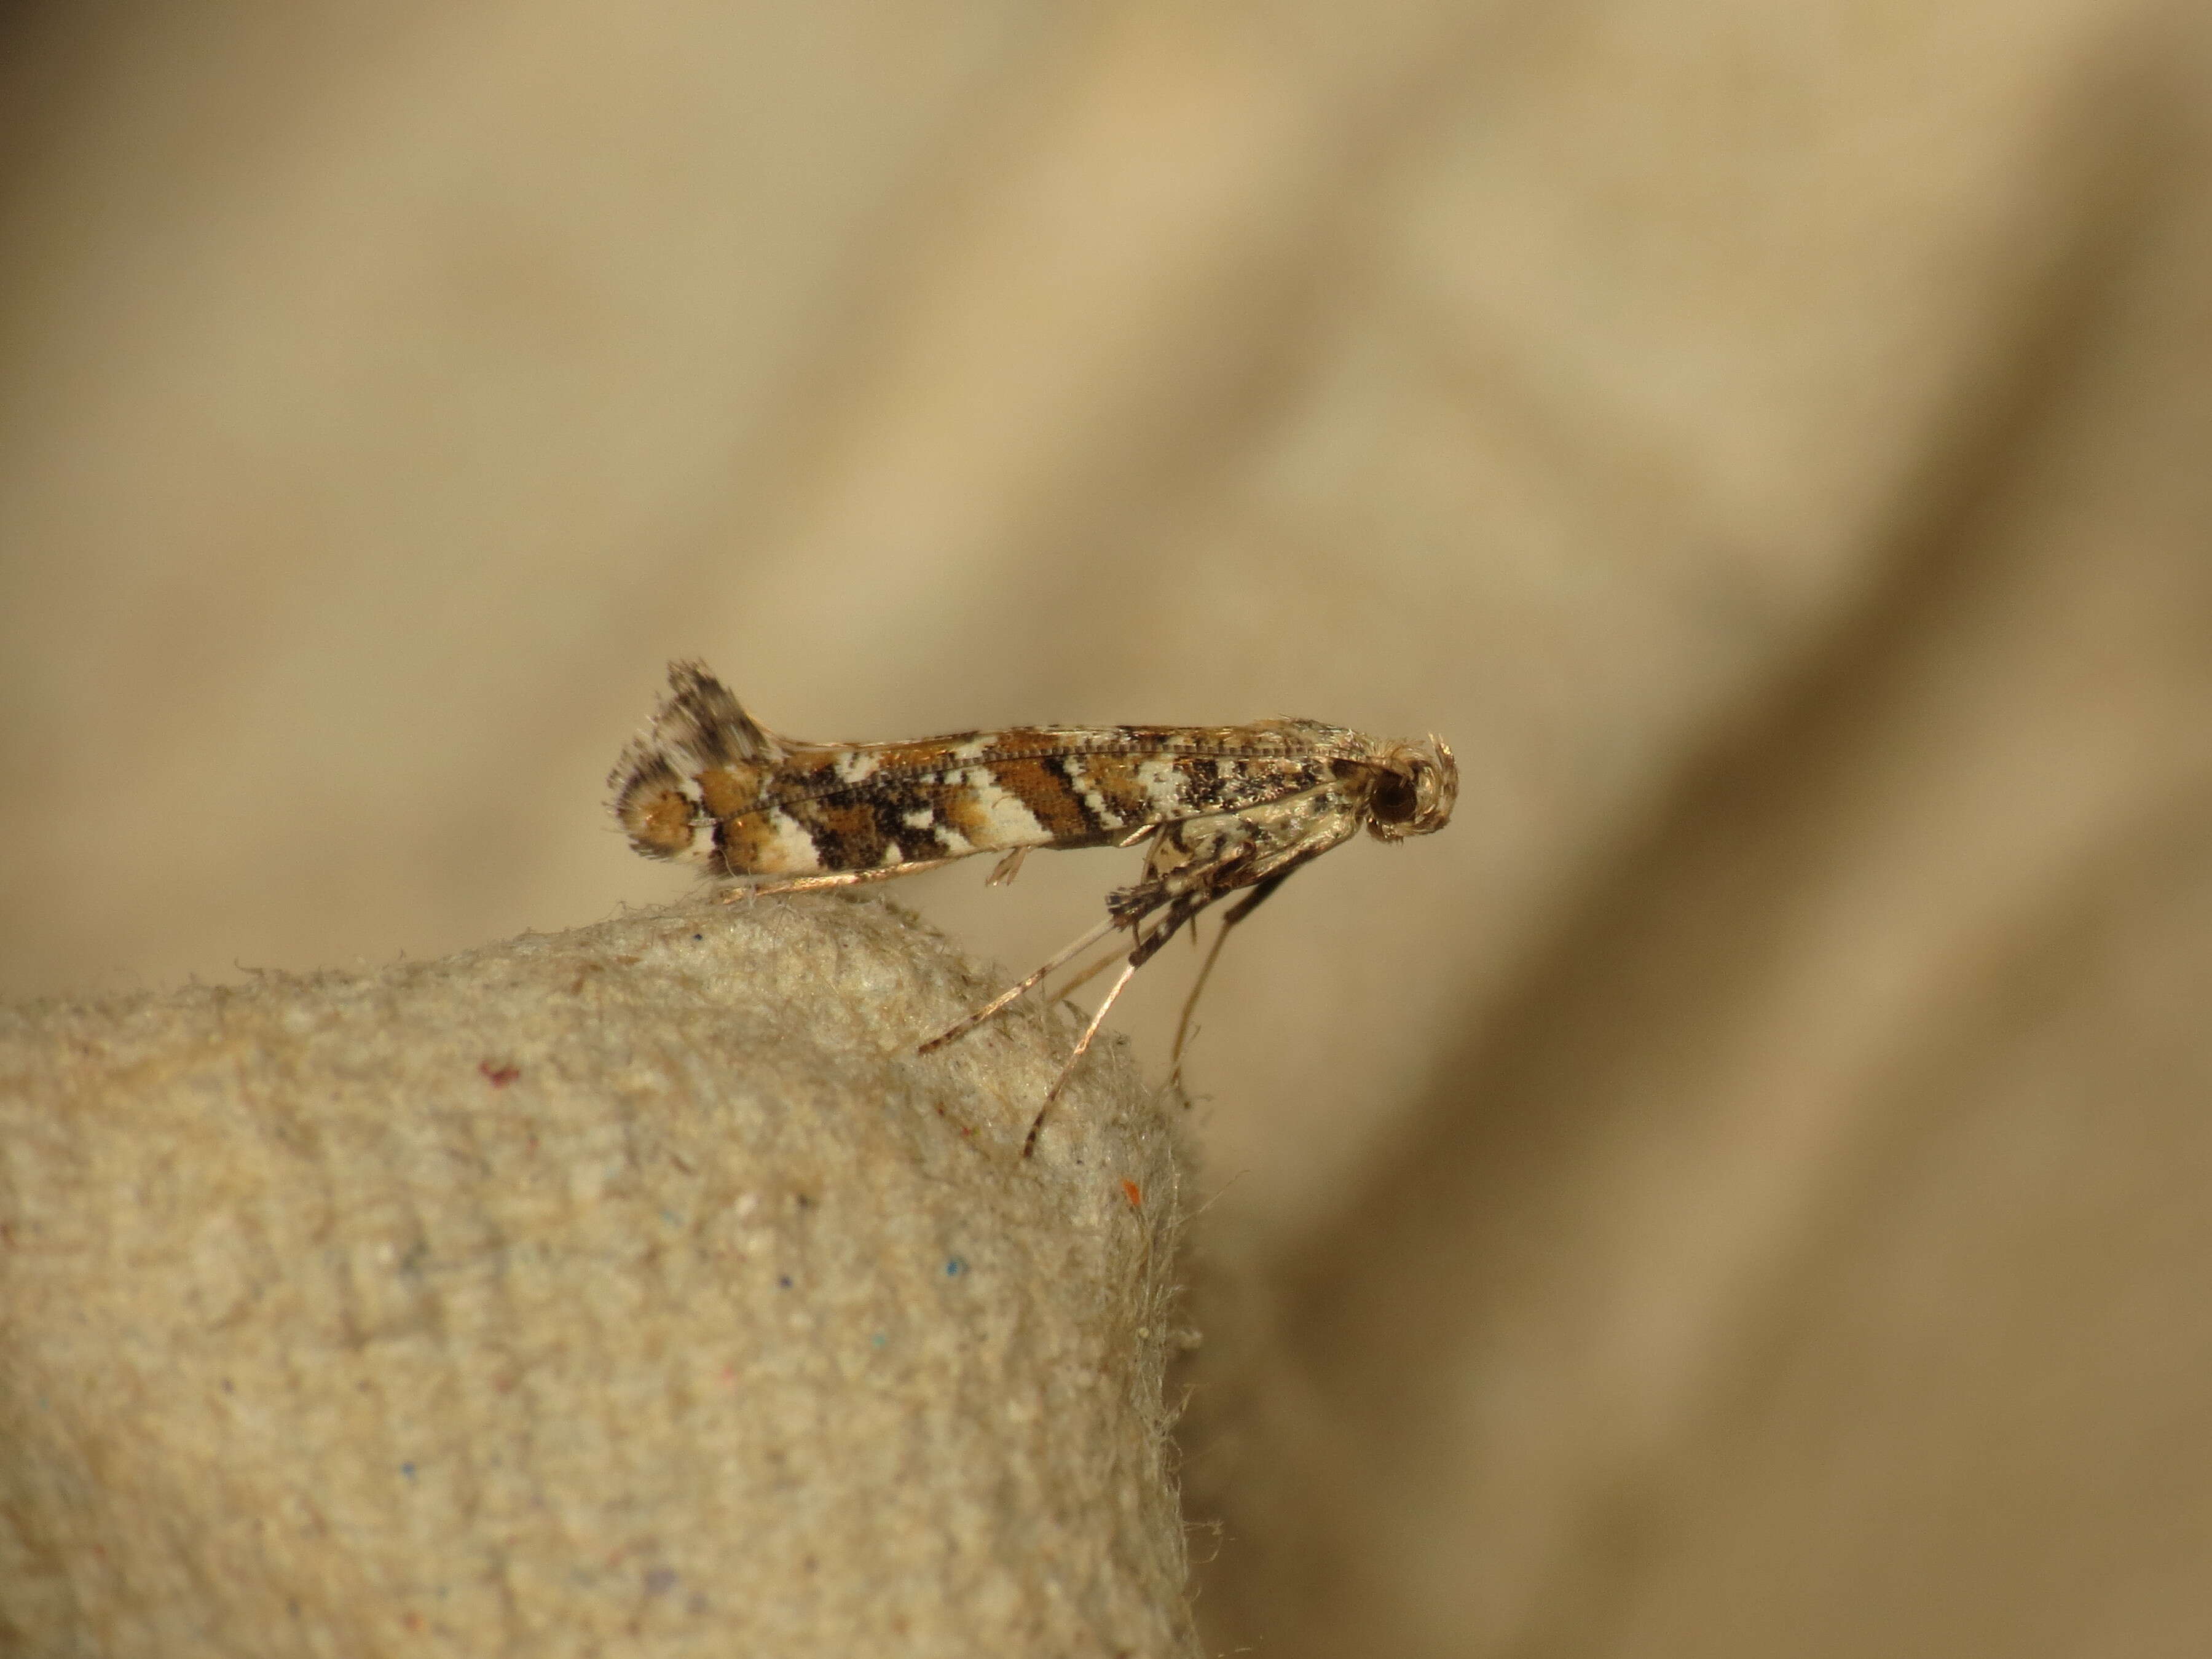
{"x":1221,"y":810}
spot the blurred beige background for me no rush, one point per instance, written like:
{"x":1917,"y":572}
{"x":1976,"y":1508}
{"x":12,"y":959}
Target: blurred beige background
{"x":1740,"y":1189}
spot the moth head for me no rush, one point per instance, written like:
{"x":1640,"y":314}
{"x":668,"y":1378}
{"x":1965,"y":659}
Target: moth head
{"x":1415,"y":785}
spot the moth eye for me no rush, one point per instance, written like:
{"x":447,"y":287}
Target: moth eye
{"x":1394,"y":799}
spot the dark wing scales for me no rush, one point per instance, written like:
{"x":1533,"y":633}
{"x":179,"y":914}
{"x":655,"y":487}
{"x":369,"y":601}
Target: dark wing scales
{"x":699,"y":755}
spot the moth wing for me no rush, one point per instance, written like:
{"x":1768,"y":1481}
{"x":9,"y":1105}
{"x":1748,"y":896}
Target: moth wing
{"x":699,"y":756}
{"x":876,"y":822}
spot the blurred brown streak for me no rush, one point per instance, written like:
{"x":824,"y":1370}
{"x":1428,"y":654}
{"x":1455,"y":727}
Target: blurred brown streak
{"x":39,"y":58}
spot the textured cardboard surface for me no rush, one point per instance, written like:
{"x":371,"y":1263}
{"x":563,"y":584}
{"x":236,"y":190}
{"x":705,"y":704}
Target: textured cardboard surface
{"x":634,"y":1289}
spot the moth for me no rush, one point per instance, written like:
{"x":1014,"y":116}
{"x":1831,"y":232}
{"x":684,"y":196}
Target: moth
{"x":1220,"y":811}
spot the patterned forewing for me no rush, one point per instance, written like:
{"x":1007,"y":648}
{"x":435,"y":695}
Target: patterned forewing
{"x":876,"y":806}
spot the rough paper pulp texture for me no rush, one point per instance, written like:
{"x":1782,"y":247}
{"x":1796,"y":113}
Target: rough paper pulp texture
{"x":634,"y":1289}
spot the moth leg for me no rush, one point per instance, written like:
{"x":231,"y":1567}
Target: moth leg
{"x":1084,"y":977}
{"x":1082,"y":1042}
{"x":1243,"y":908}
{"x":1146,"y":942}
{"x":1007,"y":869}
{"x":818,"y":883}
{"x":960,"y":1030}
{"x":1143,"y":943}
{"x":1184,"y":908}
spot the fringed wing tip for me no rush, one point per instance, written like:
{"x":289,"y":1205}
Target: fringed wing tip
{"x":700,"y":722}
{"x":700,"y":725}
{"x":703,"y":716}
